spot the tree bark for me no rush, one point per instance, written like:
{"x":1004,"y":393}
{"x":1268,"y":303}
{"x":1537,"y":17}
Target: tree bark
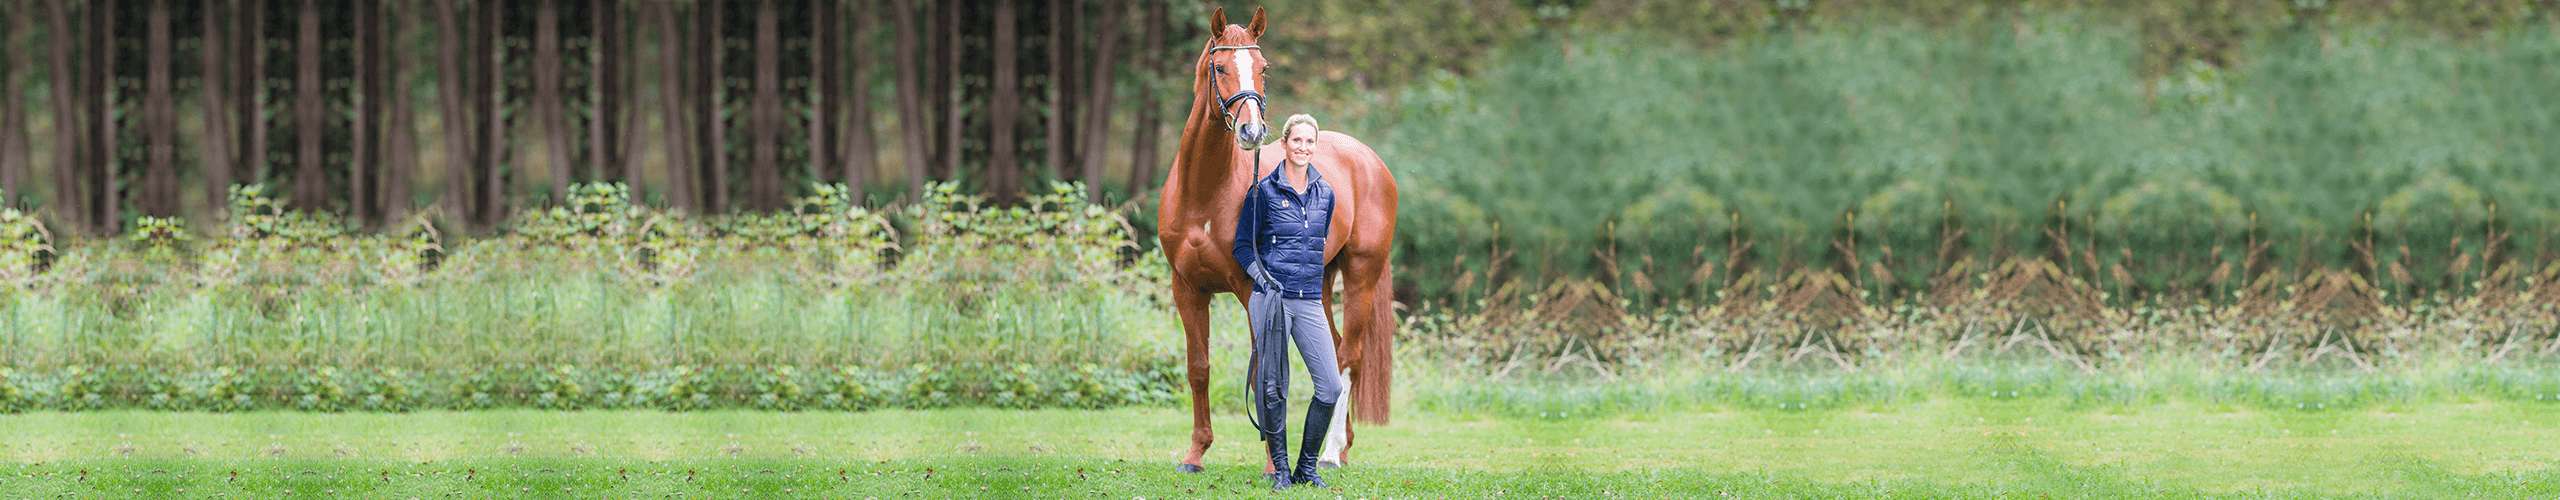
{"x":861,"y":156}
{"x":252,"y":104}
{"x":14,"y":157}
{"x":827,"y":77}
{"x":1097,"y":121}
{"x":548,"y":105}
{"x":398,"y":157}
{"x":953,"y":119}
{"x":715,"y":177}
{"x":674,"y":104}
{"x":913,"y":123}
{"x":1002,"y":164}
{"x":452,"y":83}
{"x":1063,"y":47}
{"x":605,"y":125}
{"x":13,"y":123}
{"x":368,"y":89}
{"x":158,"y":196}
{"x":310,"y":181}
{"x":398,"y":129}
{"x":764,"y":168}
{"x":1150,"y":61}
{"x":218,"y":87}
{"x":491,"y":79}
{"x":105,"y":216}
{"x":70,"y":122}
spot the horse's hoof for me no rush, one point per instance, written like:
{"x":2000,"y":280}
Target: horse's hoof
{"x":1328,"y":464}
{"x":1187,"y":468}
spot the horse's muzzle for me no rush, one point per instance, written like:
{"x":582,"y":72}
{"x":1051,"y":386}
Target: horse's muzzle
{"x":1251,"y":135}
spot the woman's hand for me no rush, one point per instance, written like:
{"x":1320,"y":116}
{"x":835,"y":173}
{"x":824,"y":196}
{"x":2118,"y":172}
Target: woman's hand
{"x":1262,"y":277}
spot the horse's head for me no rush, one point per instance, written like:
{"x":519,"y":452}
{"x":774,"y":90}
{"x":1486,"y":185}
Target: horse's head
{"x":1232,"y":66}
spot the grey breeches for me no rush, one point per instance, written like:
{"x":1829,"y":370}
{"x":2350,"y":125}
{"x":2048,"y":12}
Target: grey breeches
{"x":1276,"y":323}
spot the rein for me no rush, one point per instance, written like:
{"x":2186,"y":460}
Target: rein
{"x":1253,"y":361}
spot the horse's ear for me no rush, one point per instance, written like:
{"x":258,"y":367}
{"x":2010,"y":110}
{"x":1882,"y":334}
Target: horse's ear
{"x":1256,"y":27}
{"x":1217,"y":22}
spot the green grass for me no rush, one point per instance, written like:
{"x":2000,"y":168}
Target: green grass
{"x":1961,"y":447}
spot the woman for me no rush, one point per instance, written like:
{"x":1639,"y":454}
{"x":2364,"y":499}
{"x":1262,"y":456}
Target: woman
{"x":1280,"y":235}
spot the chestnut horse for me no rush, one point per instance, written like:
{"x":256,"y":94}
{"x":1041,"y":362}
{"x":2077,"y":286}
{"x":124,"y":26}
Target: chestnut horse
{"x":1220,"y":145}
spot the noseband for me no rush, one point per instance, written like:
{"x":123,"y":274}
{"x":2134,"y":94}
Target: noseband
{"x":1229,"y":101}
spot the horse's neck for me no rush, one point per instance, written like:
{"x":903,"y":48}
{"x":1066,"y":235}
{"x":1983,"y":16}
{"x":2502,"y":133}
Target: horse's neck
{"x":1208,"y":167}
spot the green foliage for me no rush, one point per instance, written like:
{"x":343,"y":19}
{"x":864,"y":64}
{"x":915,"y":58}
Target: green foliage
{"x":1892,"y":150}
{"x":26,"y":249}
{"x":597,"y":304}
{"x":575,"y":387}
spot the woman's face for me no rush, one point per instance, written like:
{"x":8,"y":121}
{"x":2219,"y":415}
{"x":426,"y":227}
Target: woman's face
{"x":1302,"y":144}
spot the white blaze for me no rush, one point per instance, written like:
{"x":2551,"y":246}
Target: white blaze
{"x":1244,"y":80}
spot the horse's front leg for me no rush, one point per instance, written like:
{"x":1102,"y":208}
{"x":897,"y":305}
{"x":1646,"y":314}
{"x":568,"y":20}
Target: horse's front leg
{"x":1193,"y":305}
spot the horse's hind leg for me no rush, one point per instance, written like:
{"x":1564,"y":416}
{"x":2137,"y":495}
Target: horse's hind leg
{"x":1338,"y":436}
{"x":1194,"y":308}
{"x":1369,"y":335}
{"x":1338,"y":442}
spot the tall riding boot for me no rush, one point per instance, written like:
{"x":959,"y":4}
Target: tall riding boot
{"x":1278,"y":442}
{"x":1319,"y":416}
{"x":1274,"y":415}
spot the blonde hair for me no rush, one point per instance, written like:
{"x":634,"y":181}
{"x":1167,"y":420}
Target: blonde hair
{"x":1291,"y":126}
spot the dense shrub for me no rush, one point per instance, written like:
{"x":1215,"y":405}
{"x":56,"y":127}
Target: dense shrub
{"x":1891,"y":152}
{"x":599,"y":303}
{"x":571,"y":387}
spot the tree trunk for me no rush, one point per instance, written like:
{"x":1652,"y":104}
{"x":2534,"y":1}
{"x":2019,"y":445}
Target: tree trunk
{"x":158,"y":196}
{"x":604,"y":123}
{"x":912,"y":121}
{"x":673,"y":103}
{"x":1097,"y":121}
{"x":217,"y":85}
{"x":457,"y":121}
{"x":490,"y":56}
{"x":953,"y":119}
{"x":715,"y":177}
{"x":547,"y":103}
{"x":825,"y":74}
{"x":11,"y":119}
{"x":399,"y":149}
{"x":1151,"y":64}
{"x":13,"y":123}
{"x":310,"y":181}
{"x":104,"y":209}
{"x":1002,"y":165}
{"x":366,"y":125}
{"x":252,"y":104}
{"x":1063,"y":47}
{"x":70,"y":123}
{"x":764,"y":168}
{"x":861,"y":157}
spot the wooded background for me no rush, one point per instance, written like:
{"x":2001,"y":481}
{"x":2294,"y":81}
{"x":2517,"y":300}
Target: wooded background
{"x":1668,"y":148}
{"x":380,"y":109}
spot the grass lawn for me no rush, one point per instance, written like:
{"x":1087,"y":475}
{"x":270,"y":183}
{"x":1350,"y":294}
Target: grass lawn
{"x":1934,"y":448}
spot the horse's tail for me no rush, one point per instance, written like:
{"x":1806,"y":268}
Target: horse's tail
{"x":1372,"y":379}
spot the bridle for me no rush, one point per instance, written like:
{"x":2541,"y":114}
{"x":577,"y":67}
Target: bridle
{"x":1229,"y":101}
